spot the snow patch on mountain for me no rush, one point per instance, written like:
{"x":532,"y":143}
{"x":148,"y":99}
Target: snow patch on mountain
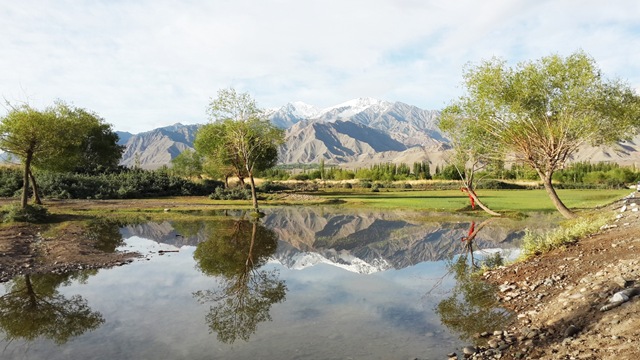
{"x":352,"y":107}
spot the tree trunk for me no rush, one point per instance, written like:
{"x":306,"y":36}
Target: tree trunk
{"x":479,"y":203}
{"x":25,"y":180}
{"x":36,"y":190}
{"x":562,"y":208}
{"x":254,"y":196}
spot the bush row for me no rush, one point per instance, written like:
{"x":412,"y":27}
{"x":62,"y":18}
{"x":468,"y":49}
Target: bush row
{"x":127,"y":184}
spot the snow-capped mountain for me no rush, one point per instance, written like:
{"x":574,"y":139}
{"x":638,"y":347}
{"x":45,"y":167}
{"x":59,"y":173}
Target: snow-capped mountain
{"x":358,"y":131}
{"x":385,"y":132}
{"x":350,"y":108}
{"x":292,"y":113}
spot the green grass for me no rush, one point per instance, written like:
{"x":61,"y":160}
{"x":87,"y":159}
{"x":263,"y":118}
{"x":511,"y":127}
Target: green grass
{"x":570,"y":232}
{"x":498,"y":200}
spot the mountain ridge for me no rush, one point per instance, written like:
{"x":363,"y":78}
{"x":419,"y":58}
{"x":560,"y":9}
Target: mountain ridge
{"x":355,"y":133}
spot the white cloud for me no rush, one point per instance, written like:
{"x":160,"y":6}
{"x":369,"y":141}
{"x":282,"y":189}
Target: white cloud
{"x":146,"y":64}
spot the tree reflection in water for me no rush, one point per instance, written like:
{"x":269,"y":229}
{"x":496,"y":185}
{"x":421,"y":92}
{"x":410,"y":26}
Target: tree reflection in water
{"x":234,"y":252}
{"x":33,"y":308}
{"x":472,"y":306}
{"x":105,"y":234}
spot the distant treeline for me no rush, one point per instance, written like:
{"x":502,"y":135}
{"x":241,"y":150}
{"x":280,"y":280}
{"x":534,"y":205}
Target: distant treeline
{"x":580,"y":174}
{"x":138,"y":183}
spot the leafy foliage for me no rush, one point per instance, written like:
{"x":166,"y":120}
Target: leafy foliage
{"x":127,"y":184}
{"x":58,"y":138}
{"x":543,"y":111}
{"x":231,"y":194}
{"x":239,"y":138}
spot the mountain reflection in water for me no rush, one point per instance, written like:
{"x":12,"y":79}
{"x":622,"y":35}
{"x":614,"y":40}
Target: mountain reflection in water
{"x":364,"y":242}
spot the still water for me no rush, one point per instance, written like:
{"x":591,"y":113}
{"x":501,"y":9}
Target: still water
{"x":301,"y":283}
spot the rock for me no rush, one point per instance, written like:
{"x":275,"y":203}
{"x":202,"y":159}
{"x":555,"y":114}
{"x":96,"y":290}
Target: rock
{"x":619,"y":296}
{"x":469,"y":350}
{"x":571,"y":331}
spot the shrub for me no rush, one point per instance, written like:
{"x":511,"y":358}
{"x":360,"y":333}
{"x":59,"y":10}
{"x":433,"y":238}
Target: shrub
{"x":498,"y":185}
{"x":300,"y":177}
{"x":230,"y":194}
{"x":269,"y":187}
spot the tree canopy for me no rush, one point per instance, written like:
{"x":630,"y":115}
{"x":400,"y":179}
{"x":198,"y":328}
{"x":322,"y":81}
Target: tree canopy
{"x":58,"y":138}
{"x":541,"y":112}
{"x":239,"y":137}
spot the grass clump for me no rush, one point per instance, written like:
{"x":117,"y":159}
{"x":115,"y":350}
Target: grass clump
{"x":31,"y":213}
{"x":536,"y":244}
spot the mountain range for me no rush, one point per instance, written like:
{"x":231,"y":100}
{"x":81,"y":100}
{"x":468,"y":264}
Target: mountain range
{"x":354,"y":134}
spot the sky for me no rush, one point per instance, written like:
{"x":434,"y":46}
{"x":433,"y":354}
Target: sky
{"x":152,"y":63}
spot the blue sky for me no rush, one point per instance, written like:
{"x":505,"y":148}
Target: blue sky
{"x":145,"y":64}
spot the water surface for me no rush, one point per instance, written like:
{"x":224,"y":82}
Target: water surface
{"x":302,"y":283}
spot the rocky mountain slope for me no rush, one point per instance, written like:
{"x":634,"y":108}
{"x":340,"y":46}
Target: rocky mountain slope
{"x":155,"y":148}
{"x":353,"y":134}
{"x":358,"y":131}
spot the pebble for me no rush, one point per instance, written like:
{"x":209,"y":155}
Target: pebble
{"x":571,"y":331}
{"x":469,"y":350}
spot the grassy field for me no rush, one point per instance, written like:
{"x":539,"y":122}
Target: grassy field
{"x":498,"y":200}
{"x":507,"y":202}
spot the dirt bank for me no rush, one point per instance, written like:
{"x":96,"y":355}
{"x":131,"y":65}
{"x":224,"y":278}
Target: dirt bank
{"x":558,"y":297}
{"x":24,"y":250}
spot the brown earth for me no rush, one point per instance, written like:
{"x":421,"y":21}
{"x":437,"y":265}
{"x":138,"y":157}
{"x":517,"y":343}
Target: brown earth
{"x":557,"y":298}
{"x":24,"y":250}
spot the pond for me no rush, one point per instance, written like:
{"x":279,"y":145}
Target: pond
{"x":300,"y":283}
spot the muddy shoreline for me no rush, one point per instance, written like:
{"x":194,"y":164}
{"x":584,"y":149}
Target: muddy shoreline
{"x":24,"y":250}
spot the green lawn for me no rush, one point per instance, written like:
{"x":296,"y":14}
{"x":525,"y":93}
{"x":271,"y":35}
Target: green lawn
{"x":498,"y":200}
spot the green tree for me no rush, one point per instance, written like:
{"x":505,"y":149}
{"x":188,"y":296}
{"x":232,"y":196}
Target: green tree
{"x":473,"y":150}
{"x":234,"y":252}
{"x":188,"y":164}
{"x":543,"y":111}
{"x":239,"y":137}
{"x":58,"y":138}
